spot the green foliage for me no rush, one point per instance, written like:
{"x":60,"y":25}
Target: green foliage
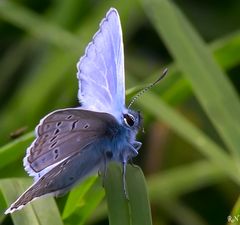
{"x":197,"y":102}
{"x":37,"y":212}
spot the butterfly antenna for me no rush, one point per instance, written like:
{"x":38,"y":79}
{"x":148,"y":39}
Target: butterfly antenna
{"x":164,"y":73}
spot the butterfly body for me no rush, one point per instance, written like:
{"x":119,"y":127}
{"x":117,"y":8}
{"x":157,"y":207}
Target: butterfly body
{"x":72,"y":143}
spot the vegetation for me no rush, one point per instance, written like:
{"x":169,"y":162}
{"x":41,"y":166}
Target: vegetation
{"x":190,"y":155}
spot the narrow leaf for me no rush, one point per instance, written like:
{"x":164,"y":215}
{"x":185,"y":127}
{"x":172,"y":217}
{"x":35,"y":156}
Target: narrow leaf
{"x":136,"y":210}
{"x":41,"y":211}
{"x":210,"y":84}
{"x":15,"y":149}
{"x":76,"y":195}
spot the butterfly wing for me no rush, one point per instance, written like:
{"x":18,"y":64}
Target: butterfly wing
{"x":70,"y":143}
{"x":62,"y":177}
{"x":62,"y":134}
{"x":101,"y":69}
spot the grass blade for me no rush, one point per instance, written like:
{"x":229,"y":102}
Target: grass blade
{"x":209,"y":83}
{"x":76,"y":195}
{"x":118,"y":209}
{"x":136,"y":210}
{"x":138,"y":196}
{"x":15,"y":149}
{"x":40,"y":212}
{"x":85,"y":203}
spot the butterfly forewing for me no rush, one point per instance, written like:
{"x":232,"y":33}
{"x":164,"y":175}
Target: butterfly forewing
{"x":62,"y":134}
{"x":101,"y":69}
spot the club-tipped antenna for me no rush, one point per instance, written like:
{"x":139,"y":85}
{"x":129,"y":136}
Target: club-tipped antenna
{"x":164,"y":73}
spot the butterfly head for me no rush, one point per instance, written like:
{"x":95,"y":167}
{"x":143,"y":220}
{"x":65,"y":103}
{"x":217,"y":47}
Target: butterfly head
{"x":132,"y":120}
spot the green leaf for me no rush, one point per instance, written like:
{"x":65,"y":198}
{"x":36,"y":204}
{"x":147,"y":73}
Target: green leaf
{"x":91,"y":201}
{"x":175,"y":182}
{"x":226,"y":50}
{"x":76,"y":195}
{"x":234,"y":217}
{"x":138,"y":196}
{"x":37,"y":26}
{"x":40,"y":212}
{"x":136,"y":210}
{"x":15,"y":149}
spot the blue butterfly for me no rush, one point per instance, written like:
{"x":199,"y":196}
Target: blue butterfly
{"x":73,"y":143}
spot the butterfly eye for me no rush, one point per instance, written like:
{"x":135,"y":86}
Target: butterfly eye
{"x":129,"y":120}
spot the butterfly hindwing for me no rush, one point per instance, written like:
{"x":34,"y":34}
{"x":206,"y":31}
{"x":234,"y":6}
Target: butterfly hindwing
{"x":63,"y":176}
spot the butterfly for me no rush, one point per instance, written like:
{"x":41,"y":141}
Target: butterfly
{"x":73,"y":143}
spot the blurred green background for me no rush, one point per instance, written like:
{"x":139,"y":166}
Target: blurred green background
{"x":191,"y":144}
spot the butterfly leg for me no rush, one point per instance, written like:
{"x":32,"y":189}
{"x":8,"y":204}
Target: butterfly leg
{"x":124,"y":163}
{"x":137,"y":145}
{"x":106,"y":157}
{"x":104,"y":170}
{"x":134,"y":149}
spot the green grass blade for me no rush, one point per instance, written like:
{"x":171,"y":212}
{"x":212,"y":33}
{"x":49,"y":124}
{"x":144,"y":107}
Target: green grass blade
{"x":76,"y":195}
{"x":37,"y":26}
{"x":208,"y":81}
{"x":118,"y":208}
{"x":226,"y":50}
{"x":92,"y":200}
{"x":173,"y":183}
{"x":15,"y":149}
{"x":136,"y":210}
{"x":40,"y":212}
{"x":176,"y":91}
{"x":234,"y":217}
{"x":183,"y":214}
{"x":138,"y":196}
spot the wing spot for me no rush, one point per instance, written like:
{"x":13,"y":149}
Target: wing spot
{"x":56,"y":156}
{"x":59,"y":123}
{"x":64,"y":163}
{"x":53,"y":138}
{"x":56,"y":131}
{"x":52,"y":145}
{"x":74,"y":124}
{"x":86,"y":126}
{"x":71,"y":178}
{"x":56,"y":153}
{"x":69,"y":117}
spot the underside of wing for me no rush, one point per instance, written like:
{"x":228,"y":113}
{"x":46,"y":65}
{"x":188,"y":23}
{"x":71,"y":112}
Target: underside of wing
{"x":101,"y":69}
{"x":63,"y":176}
{"x":62,"y":134}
